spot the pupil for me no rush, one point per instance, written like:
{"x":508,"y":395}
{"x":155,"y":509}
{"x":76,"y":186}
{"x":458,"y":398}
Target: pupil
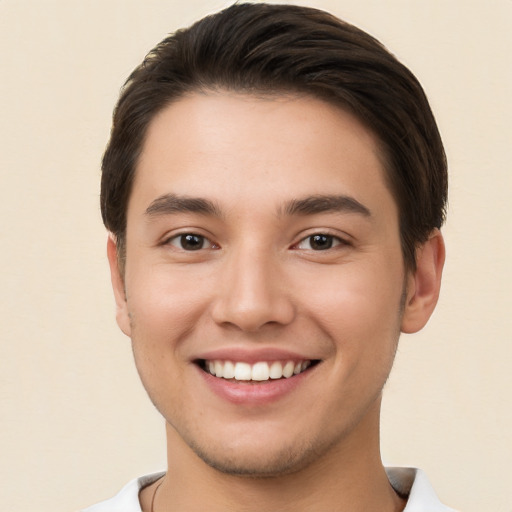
{"x":321,"y":242}
{"x":192,"y":242}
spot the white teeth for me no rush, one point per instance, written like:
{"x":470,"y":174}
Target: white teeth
{"x":219,"y":369}
{"x":276,"y":370}
{"x":229,"y":370}
{"x":288,"y":369}
{"x":259,"y":371}
{"x":242,"y":371}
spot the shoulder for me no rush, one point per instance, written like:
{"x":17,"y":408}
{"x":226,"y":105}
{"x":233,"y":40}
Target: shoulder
{"x":127,"y":499}
{"x":414,"y":484}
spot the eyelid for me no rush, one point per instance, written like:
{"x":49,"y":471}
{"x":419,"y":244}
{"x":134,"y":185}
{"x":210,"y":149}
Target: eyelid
{"x":340,"y":240}
{"x":166,"y":240}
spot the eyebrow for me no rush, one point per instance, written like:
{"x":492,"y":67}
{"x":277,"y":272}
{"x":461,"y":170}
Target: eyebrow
{"x":172,"y":203}
{"x":325,"y":203}
{"x":168,"y":204}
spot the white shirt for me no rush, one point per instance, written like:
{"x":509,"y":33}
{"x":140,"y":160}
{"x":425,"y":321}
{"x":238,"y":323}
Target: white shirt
{"x":406,"y":481}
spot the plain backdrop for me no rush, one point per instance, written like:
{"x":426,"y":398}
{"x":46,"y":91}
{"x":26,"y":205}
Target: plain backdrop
{"x":75,"y":421}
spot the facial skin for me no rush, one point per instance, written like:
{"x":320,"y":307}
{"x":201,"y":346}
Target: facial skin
{"x":260,"y":283}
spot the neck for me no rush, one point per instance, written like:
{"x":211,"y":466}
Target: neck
{"x":350,"y":476}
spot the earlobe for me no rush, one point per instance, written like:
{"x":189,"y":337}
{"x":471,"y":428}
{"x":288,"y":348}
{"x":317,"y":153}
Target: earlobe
{"x":424,"y":283}
{"x":122,"y":315}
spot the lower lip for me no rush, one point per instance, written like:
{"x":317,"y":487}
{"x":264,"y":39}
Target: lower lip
{"x":254,"y":393}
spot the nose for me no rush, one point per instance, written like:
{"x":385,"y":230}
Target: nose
{"x":252,"y":293}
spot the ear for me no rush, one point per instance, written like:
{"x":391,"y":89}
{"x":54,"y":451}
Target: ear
{"x":122,"y":315}
{"x":424,"y":283}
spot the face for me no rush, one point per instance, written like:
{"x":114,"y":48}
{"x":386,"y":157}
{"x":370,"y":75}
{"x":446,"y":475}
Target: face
{"x":264,"y":279}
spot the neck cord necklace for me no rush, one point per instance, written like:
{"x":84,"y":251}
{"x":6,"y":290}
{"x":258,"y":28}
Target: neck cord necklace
{"x":154,"y":495}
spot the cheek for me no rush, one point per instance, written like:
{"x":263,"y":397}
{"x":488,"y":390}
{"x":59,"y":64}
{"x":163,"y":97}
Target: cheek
{"x":165,"y":302}
{"x":359,"y":308}
{"x":164,"y":309}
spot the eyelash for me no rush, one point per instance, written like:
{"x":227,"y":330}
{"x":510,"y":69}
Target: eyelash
{"x":332,"y":241}
{"x":181,"y":239}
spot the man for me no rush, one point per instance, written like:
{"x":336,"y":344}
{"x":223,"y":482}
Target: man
{"x":273,"y":187}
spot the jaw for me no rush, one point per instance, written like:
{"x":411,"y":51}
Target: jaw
{"x":298,"y":475}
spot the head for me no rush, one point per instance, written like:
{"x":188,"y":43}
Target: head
{"x":273,"y":50}
{"x":273,"y":184}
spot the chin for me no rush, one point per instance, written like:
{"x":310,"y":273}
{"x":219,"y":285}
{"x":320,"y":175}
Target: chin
{"x":257,"y":462}
{"x":254,"y":467}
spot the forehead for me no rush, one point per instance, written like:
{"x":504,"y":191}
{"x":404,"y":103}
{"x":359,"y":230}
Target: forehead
{"x":257,"y":149}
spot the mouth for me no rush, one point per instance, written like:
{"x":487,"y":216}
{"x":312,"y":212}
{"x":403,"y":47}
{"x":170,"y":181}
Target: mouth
{"x":261,"y":371}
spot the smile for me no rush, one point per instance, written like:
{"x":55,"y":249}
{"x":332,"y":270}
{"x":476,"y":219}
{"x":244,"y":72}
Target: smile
{"x":260,"y":371}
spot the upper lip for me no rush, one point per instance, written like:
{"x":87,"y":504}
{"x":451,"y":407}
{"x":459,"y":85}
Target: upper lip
{"x":252,"y":356}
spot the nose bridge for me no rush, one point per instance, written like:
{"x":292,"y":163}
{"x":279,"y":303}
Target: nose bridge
{"x":252,"y":293}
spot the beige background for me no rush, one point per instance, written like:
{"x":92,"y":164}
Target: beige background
{"x":76,"y":424}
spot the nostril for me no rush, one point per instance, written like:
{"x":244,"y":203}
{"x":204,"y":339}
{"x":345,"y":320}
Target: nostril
{"x":252,"y":317}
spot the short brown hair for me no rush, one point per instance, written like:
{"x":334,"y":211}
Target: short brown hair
{"x":279,"y":49}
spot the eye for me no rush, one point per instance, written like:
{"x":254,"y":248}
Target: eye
{"x":319,"y":242}
{"x":190,"y":242}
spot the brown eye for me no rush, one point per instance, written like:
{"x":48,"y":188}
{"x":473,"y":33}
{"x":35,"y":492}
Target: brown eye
{"x":321,"y":242}
{"x":190,"y":242}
